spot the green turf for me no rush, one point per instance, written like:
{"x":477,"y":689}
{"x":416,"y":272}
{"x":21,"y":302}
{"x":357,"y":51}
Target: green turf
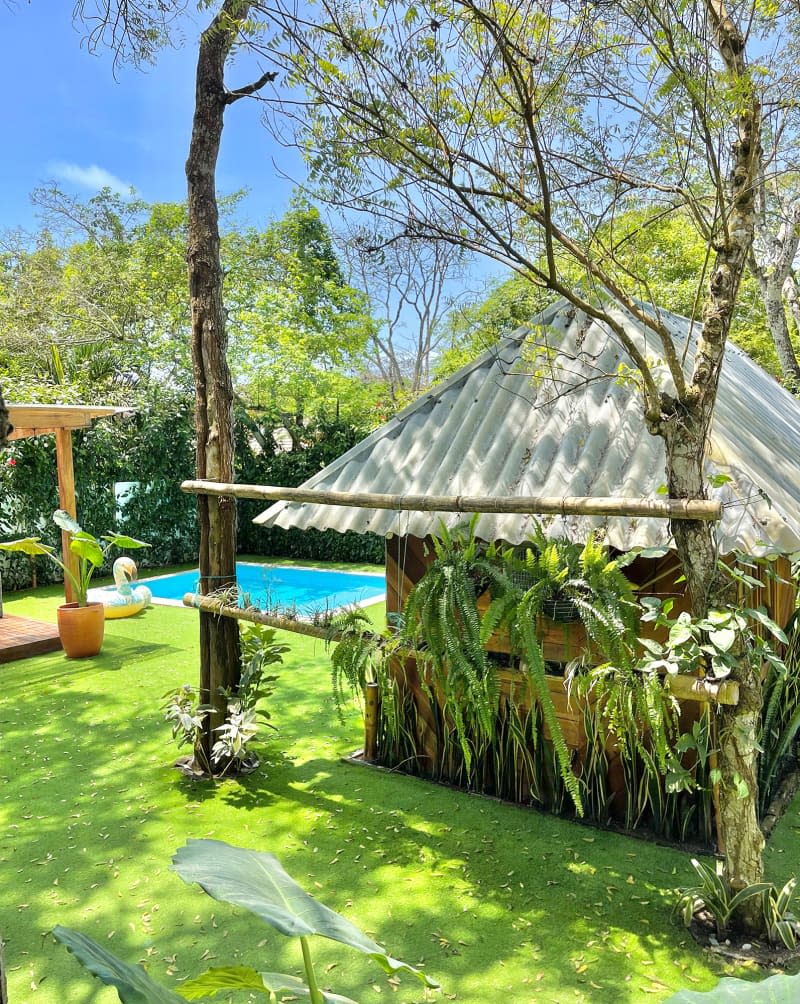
{"x":501,"y":903}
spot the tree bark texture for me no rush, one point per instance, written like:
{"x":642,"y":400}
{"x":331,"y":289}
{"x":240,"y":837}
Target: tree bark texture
{"x":772,"y":294}
{"x":773,"y":260}
{"x":685,"y":427}
{"x":219,"y":637}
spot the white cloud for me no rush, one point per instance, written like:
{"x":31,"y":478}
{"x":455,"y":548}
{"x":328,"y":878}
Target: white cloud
{"x":92,"y":177}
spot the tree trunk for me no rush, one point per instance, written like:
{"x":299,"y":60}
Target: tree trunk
{"x":792,"y":296}
{"x":771,"y":292}
{"x":685,"y":426}
{"x":219,"y":637}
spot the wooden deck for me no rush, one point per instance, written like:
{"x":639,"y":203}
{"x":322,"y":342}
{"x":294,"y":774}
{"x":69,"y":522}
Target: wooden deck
{"x":21,"y":637}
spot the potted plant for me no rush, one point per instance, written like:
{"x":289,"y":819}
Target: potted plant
{"x":80,"y":624}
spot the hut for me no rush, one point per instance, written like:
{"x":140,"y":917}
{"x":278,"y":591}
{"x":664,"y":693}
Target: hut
{"x":553,"y":410}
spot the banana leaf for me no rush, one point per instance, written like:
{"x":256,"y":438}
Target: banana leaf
{"x":258,"y":882}
{"x":132,"y":983}
{"x":778,"y":989}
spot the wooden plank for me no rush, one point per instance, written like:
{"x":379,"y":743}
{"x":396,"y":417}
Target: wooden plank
{"x":23,"y":433}
{"x":695,"y":509}
{"x":21,"y":637}
{"x":47,"y":417}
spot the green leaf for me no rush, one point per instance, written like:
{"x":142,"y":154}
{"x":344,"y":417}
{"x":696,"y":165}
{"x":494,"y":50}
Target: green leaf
{"x":64,"y":521}
{"x":679,"y":634}
{"x":86,"y":547}
{"x":245,"y":978}
{"x":258,"y":882}
{"x":28,"y":545}
{"x":722,"y":639}
{"x":121,"y":540}
{"x":778,"y":989}
{"x":768,"y":623}
{"x":132,"y":983}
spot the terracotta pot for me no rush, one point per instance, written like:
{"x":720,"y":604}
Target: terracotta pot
{"x":81,"y":629}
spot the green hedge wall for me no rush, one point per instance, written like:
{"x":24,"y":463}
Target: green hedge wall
{"x":155,"y":449}
{"x":322,"y":443}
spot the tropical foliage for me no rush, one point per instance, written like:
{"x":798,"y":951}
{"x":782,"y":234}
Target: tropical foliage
{"x":89,"y":552}
{"x":245,"y":711}
{"x":256,"y":882}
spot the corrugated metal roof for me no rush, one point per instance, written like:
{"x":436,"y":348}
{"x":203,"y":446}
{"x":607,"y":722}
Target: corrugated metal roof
{"x":551,"y":411}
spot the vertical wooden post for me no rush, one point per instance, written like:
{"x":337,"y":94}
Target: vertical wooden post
{"x":371,"y":706}
{"x":66,"y":499}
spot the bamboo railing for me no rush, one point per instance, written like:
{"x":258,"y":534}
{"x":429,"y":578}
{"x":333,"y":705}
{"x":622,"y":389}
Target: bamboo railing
{"x":690,"y":509}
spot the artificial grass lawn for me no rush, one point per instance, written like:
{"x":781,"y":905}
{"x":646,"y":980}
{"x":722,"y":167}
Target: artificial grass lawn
{"x":497,"y":900}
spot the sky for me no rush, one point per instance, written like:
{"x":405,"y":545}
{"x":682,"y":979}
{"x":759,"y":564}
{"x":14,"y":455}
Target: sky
{"x":71,"y":118}
{"x":67,"y":119}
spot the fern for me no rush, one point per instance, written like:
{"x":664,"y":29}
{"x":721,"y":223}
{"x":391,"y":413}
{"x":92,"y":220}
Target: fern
{"x":524,"y":633}
{"x":357,"y":658}
{"x":441,"y":619}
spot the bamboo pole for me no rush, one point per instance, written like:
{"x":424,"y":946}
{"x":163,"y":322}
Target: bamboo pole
{"x":372,"y":697}
{"x":219,"y":606}
{"x":695,"y":509}
{"x":694,"y":688}
{"x":684,"y":687}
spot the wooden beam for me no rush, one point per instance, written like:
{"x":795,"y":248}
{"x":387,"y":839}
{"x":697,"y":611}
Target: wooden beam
{"x":23,"y":433}
{"x":696,"y":509}
{"x":66,"y":499}
{"x":37,"y":419}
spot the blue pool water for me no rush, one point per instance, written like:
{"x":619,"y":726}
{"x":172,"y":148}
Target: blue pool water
{"x":278,"y":586}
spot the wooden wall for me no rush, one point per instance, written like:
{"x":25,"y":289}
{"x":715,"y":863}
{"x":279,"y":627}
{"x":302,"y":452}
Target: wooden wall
{"x":406,"y":561}
{"x":408,"y":557}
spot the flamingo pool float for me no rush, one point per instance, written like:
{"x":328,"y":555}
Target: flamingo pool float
{"x":123,"y":599}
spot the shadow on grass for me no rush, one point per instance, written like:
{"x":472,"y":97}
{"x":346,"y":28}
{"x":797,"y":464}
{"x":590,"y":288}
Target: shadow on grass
{"x":496,"y":899}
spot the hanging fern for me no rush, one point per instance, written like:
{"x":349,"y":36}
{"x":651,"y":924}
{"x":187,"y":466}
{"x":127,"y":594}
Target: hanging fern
{"x":362,"y":656}
{"x":442,"y":622}
{"x":525,"y":637}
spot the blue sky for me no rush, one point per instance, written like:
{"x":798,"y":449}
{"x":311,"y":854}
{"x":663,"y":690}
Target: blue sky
{"x":67,"y":119}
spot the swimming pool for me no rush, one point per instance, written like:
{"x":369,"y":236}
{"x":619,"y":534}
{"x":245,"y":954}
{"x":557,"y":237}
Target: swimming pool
{"x":281,"y":587}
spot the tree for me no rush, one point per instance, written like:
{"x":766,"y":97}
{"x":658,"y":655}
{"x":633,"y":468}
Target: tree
{"x":98,"y":293}
{"x":536,"y":127}
{"x":667,"y":254}
{"x":6,"y":428}
{"x":299,"y":330}
{"x":407,"y":282}
{"x":135,"y":30}
{"x":219,"y":636}
{"x":772,"y":260}
{"x":474,"y":327}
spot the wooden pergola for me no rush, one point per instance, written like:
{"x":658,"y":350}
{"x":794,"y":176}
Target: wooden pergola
{"x":59,"y":420}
